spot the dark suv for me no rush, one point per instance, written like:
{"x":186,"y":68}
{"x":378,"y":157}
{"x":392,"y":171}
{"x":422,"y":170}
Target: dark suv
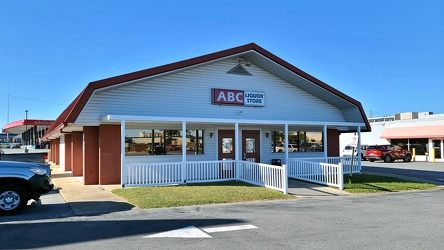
{"x":20,"y":182}
{"x":387,"y":153}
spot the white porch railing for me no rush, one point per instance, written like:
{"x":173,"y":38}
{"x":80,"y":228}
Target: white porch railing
{"x":345,"y":161}
{"x":210,"y":171}
{"x":316,"y":170}
{"x":155,"y":174}
{"x":269,"y":176}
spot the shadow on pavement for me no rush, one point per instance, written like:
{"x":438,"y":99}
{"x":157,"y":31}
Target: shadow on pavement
{"x":51,"y":234}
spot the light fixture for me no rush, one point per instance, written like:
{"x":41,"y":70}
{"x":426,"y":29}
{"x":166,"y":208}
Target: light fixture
{"x":211,"y":135}
{"x":267,"y":134}
{"x":247,"y":63}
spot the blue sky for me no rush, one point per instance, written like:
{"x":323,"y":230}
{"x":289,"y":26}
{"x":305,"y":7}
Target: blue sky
{"x":389,"y":55}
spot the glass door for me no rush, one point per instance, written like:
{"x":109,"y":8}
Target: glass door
{"x":251,"y":145}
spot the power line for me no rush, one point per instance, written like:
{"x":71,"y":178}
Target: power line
{"x":31,"y":99}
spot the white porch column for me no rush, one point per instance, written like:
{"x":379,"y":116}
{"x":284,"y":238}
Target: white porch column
{"x":184,"y":151}
{"x":237,"y":142}
{"x":237,"y":151}
{"x":286,"y":142}
{"x":325,"y":142}
{"x":122,"y":154}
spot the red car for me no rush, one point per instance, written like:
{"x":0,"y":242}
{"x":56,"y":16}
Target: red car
{"x":172,"y":147}
{"x":387,"y":153}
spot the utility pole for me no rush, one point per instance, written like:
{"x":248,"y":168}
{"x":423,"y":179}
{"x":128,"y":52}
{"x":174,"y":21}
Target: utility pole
{"x":26,"y":131}
{"x":7,"y":117}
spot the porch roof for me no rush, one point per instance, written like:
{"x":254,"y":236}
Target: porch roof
{"x":116,"y":119}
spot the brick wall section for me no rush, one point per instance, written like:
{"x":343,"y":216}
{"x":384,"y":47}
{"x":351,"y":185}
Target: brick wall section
{"x":333,"y":142}
{"x":91,"y":155}
{"x":109,"y":154}
{"x":51,"y":150}
{"x":77,"y":154}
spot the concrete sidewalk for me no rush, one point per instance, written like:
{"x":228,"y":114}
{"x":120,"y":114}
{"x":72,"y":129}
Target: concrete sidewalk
{"x":303,"y":189}
{"x":87,"y":199}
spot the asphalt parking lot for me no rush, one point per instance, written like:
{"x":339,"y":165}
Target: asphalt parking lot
{"x":429,"y":172}
{"x":53,"y":205}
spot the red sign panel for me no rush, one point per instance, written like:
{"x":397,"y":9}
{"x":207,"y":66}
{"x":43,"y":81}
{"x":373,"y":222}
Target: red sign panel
{"x":227,"y":96}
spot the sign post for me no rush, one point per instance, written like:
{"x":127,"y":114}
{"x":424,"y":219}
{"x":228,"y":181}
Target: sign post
{"x":354,"y":144}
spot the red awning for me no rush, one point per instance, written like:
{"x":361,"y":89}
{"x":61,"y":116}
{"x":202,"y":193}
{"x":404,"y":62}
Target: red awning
{"x":414,"y":132}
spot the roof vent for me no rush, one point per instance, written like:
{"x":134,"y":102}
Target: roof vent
{"x":239,"y":70}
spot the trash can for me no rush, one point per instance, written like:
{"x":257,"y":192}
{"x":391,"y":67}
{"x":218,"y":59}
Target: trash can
{"x":276,"y":162}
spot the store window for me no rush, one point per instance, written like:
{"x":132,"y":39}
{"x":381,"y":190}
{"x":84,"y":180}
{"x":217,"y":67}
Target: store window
{"x":403,"y":143}
{"x":419,"y":144}
{"x":162,"y":142}
{"x":227,"y":145}
{"x":298,"y":141}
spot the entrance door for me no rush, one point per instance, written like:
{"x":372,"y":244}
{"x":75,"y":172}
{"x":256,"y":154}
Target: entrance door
{"x":250,"y":145}
{"x":226,"y":145}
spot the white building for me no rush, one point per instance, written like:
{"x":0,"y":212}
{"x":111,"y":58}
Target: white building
{"x":416,"y":131}
{"x":238,"y":104}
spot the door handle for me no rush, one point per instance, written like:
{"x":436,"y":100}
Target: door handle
{"x":244,"y":156}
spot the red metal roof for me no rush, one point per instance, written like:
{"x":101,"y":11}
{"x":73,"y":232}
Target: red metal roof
{"x":73,"y":110}
{"x":19,"y":126}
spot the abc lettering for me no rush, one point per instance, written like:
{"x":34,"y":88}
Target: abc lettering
{"x":231,"y":97}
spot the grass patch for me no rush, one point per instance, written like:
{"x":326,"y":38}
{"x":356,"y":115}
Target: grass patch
{"x":365,"y":183}
{"x":197,"y":194}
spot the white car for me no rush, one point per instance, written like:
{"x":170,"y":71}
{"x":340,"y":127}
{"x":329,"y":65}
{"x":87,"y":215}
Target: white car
{"x":291,"y":148}
{"x":348,"y":151}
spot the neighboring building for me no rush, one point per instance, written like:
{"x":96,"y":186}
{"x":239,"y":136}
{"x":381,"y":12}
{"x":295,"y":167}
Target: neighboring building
{"x":416,"y":131}
{"x":238,"y":104}
{"x":28,"y":132}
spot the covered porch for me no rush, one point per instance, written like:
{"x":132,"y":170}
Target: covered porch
{"x":180,"y":168}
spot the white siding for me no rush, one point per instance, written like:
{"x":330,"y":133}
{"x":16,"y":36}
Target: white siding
{"x":188,"y":94}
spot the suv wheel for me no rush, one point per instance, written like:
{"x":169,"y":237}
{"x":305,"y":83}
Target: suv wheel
{"x":408,"y":158}
{"x":388,"y":158}
{"x":12,"y":199}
